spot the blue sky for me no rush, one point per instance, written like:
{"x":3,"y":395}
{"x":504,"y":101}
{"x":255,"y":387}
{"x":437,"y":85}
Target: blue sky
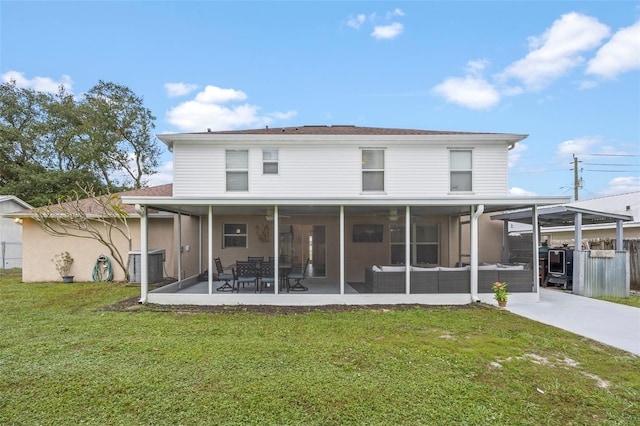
{"x":565,"y":73}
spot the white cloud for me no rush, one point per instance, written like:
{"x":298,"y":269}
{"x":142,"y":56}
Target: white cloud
{"x":208,"y":110}
{"x":40,"y":84}
{"x":387,"y":31}
{"x":519,"y":192}
{"x":557,"y":50}
{"x":516,"y":153}
{"x":356,"y":22}
{"x":619,"y":55}
{"x":471,"y":92}
{"x":624,"y":184}
{"x":179,"y":89}
{"x":577,"y":146}
{"x":395,"y":12}
{"x":380,"y":31}
{"x":163,"y":175}
{"x":213,"y":94}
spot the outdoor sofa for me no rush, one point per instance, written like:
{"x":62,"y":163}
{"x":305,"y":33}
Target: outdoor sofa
{"x":438,"y":279}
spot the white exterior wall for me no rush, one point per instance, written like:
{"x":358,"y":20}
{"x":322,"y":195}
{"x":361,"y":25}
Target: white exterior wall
{"x":334,"y":170}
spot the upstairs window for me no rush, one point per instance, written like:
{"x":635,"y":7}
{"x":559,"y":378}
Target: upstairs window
{"x":270,"y":161}
{"x":460,"y":166}
{"x":237,"y":170}
{"x":372,"y":170}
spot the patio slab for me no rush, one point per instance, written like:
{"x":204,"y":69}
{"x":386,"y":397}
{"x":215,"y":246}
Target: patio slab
{"x":610,"y":323}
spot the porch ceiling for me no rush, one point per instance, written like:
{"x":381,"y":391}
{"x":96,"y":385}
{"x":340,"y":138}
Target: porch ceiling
{"x":451,"y":205}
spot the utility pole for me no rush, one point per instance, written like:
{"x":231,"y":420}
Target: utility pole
{"x":577,"y":182}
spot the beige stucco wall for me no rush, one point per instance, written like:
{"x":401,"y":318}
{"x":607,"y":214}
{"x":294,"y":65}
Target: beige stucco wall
{"x":39,"y":248}
{"x":358,"y":256}
{"x":490,"y":240}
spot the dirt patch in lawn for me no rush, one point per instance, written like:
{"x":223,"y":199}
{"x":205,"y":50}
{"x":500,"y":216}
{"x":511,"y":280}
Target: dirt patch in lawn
{"x":131,"y":305}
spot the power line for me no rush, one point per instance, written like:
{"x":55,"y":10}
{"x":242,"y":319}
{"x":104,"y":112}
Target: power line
{"x":614,"y":155}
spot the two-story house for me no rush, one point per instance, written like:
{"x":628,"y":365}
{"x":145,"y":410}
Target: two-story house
{"x":376,"y":215}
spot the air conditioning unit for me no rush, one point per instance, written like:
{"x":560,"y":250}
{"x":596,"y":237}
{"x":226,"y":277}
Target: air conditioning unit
{"x":155,"y":259}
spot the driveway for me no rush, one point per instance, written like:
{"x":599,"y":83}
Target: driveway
{"x":610,"y":323}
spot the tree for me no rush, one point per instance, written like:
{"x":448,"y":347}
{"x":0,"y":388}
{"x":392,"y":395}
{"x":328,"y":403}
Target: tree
{"x":118,"y":135}
{"x":86,"y":215}
{"x":23,"y":118}
{"x":51,"y":143}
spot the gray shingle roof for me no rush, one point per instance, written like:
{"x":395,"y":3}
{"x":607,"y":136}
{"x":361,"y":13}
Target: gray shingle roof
{"x":337,"y":130}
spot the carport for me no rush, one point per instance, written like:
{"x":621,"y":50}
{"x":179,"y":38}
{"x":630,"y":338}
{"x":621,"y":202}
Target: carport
{"x":593,"y":273}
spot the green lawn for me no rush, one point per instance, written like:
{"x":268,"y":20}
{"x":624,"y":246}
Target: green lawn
{"x":64,"y":361}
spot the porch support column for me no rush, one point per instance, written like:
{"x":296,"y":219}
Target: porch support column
{"x":476,"y":212}
{"x":341,"y":250}
{"x":577,"y":268}
{"x":619,"y":236}
{"x":505,"y":242}
{"x":210,"y":248}
{"x":276,"y":250}
{"x":179,"y":246}
{"x":144,"y":251}
{"x":407,"y":249}
{"x":535,"y":237}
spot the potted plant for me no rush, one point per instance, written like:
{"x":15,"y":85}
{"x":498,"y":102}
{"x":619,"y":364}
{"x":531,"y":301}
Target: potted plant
{"x":63,"y":262}
{"x":500,"y":293}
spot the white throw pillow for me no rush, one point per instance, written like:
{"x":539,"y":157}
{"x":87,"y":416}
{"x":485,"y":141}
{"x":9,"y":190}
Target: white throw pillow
{"x":376,"y":268}
{"x":393,"y":269}
{"x":487,"y":267}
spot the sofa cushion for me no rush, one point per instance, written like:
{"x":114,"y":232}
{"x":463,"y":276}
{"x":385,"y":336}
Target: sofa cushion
{"x":393,"y":268}
{"x":422,"y":268}
{"x":376,"y":268}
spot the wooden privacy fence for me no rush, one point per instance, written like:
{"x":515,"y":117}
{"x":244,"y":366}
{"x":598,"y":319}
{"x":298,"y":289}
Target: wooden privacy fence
{"x":633,"y":247}
{"x":605,"y":273}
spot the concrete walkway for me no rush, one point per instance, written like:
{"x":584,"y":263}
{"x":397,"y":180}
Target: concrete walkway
{"x":610,"y":323}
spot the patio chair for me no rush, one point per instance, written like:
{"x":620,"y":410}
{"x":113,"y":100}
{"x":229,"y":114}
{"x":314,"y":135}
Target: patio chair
{"x":297,"y":274}
{"x":245,"y":272}
{"x":222,"y":276}
{"x":267,"y":275}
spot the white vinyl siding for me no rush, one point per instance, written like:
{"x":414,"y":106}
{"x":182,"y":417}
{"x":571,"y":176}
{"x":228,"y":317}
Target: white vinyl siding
{"x":332,"y":170}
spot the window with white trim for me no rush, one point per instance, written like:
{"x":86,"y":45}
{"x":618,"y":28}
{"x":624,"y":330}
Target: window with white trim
{"x":237,"y":165}
{"x":372,"y":170}
{"x":461,"y":170}
{"x":270,"y":161}
{"x":425,"y":244}
{"x":234,"y":235}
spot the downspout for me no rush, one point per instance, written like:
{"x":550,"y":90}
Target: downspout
{"x":475,"y":214}
{"x":276,"y":249}
{"x":144,"y":249}
{"x":210,"y":248}
{"x":342,"y":250}
{"x":407,"y":250}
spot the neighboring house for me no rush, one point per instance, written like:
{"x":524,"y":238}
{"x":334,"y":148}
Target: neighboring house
{"x":10,"y":233}
{"x":357,"y":203}
{"x":39,"y":247}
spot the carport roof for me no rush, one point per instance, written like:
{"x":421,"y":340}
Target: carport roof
{"x":562,"y":216}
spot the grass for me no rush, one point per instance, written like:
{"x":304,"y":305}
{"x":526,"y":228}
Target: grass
{"x":633,"y":300}
{"x":64,"y":361}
